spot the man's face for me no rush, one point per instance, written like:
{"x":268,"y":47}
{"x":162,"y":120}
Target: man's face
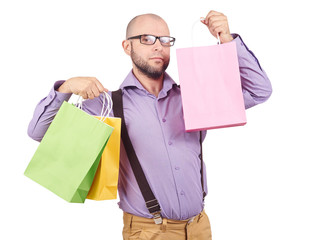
{"x":153,"y":65}
{"x":151,"y":60}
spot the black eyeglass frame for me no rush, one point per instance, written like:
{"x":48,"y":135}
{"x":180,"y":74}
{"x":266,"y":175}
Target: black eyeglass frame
{"x":172,"y":39}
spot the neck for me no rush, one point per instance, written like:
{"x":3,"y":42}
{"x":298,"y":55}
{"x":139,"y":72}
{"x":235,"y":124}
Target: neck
{"x":153,"y":86}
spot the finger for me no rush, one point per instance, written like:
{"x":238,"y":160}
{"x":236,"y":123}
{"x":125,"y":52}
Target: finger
{"x":213,"y":28}
{"x":212,"y":13}
{"x":215,"y":19}
{"x":216,"y":25}
{"x":90,"y":94}
{"x":100,"y":87}
{"x":84,"y":95}
{"x":95,"y":91}
{"x":218,"y":30}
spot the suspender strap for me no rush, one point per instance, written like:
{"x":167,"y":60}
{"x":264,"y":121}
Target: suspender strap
{"x":151,"y":202}
{"x":201,"y":171}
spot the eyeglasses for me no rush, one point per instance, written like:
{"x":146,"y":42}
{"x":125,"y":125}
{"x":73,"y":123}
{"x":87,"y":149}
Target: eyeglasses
{"x":147,"y":39}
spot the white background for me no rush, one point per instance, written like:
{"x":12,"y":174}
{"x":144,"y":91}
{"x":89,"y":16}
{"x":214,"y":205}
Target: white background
{"x":263,"y":178}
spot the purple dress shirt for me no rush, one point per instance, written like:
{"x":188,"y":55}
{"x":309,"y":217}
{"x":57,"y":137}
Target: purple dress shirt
{"x":169,"y":156}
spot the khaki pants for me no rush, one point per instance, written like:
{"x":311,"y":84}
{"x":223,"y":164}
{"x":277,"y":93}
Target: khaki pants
{"x":141,"y":228}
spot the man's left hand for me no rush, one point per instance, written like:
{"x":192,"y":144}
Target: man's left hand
{"x":217,"y":23}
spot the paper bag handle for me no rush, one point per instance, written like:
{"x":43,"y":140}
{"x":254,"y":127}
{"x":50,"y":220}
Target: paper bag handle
{"x":192,"y":32}
{"x":105,"y":110}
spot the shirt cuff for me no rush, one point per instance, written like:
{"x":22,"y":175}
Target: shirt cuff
{"x":57,"y":98}
{"x":241,"y":49}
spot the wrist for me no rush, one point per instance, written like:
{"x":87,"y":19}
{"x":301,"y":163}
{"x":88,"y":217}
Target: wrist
{"x":64,"y":88}
{"x":227,"y":38}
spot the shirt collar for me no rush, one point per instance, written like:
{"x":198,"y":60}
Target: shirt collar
{"x":132,"y":81}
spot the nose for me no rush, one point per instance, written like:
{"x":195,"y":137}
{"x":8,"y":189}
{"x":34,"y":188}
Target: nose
{"x":157,"y":45}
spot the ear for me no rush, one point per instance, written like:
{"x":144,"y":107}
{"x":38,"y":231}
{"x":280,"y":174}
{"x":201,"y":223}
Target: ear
{"x":126,"y":47}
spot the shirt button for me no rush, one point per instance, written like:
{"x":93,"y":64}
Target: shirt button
{"x":182,"y":193}
{"x":164,"y":120}
{"x":176,"y":168}
{"x":200,"y":156}
{"x":241,"y":43}
{"x":51,"y":96}
{"x":170,"y":143}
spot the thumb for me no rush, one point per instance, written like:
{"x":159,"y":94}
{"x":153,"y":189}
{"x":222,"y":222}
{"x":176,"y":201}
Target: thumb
{"x":203,"y":20}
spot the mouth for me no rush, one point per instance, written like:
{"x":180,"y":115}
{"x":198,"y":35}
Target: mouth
{"x":157,"y":58}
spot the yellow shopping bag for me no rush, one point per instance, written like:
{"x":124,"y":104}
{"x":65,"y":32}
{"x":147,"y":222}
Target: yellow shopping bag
{"x":105,"y":182}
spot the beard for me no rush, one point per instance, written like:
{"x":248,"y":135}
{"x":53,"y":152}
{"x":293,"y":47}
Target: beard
{"x":147,"y":69}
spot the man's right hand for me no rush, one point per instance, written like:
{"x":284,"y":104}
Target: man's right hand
{"x":86,"y":87}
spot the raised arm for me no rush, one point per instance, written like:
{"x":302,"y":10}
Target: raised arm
{"x":256,"y":86}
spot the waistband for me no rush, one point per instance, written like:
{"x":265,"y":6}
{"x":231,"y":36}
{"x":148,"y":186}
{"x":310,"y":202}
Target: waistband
{"x":177,"y":224}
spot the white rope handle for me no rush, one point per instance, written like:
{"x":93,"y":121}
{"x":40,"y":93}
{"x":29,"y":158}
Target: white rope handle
{"x":79,"y":102}
{"x":105,"y":110}
{"x":192,"y":31}
{"x":105,"y":114}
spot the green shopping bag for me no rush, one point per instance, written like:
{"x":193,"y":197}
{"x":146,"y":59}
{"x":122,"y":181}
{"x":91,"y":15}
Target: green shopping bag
{"x":68,"y":156}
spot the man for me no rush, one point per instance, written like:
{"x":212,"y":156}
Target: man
{"x":169,"y":156}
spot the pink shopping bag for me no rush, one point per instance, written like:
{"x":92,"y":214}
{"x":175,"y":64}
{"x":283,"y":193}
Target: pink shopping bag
{"x":211,"y":87}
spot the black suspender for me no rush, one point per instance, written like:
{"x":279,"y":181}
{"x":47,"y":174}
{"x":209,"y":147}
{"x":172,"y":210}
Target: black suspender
{"x":151,"y":202}
{"x":201,"y":171}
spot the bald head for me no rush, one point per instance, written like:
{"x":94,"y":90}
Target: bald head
{"x":136,"y":25}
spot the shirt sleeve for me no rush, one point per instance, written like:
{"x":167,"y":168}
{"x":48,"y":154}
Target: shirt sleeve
{"x":45,"y":111}
{"x":256,"y":86}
